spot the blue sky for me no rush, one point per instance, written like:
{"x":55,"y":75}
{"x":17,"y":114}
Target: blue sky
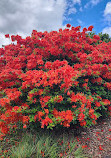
{"x":90,"y":12}
{"x":22,"y":16}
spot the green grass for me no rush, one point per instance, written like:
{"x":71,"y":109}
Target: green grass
{"x":40,"y":143}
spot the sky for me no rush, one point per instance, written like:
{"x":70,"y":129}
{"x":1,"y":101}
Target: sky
{"x":22,"y":16}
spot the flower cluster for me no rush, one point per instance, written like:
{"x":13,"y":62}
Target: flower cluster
{"x":54,"y":78}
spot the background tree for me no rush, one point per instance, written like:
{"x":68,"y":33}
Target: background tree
{"x":105,"y":37}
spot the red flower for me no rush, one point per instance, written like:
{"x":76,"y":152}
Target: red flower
{"x":91,"y":111}
{"x":16,"y":108}
{"x":68,"y":25}
{"x":39,"y":115}
{"x":60,"y":98}
{"x":61,"y":155}
{"x":32,"y":74}
{"x":7,"y":36}
{"x":94,"y":122}
{"x":84,"y":146}
{"x":48,"y":65}
{"x":46,"y":121}
{"x":83,"y":123}
{"x":13,"y":37}
{"x":90,"y":28}
{"x":97,"y":104}
{"x":100,"y":147}
{"x":24,"y":126}
{"x":68,"y":93}
{"x":96,"y":37}
{"x":81,"y":117}
{"x":84,"y":29}
{"x":46,"y":111}
{"x":55,"y":112}
{"x":74,"y":106}
{"x":106,"y":101}
{"x":25,"y":119}
{"x":24,"y":106}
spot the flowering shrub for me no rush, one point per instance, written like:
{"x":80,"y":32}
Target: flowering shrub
{"x":54,"y":78}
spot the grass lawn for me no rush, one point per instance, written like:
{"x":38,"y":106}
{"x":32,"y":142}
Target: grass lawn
{"x":93,"y":142}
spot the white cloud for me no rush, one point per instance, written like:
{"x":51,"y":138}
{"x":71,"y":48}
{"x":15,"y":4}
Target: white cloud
{"x":80,"y":22}
{"x":72,"y":11}
{"x":107,"y":19}
{"x":107,"y":13}
{"x":107,"y":9}
{"x":77,"y":1}
{"x":95,"y":2}
{"x":71,"y":7}
{"x":107,"y":30}
{"x":92,"y":3}
{"x":25,"y":15}
{"x":80,"y":9}
{"x":22,"y":16}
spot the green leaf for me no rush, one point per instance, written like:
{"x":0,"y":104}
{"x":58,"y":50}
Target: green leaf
{"x":97,"y":114}
{"x":31,"y":118}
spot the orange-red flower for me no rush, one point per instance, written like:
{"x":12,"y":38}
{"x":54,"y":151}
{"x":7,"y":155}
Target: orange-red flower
{"x":90,"y":28}
{"x":7,"y":36}
{"x":45,"y":65}
{"x":25,"y":126}
{"x":68,"y":25}
{"x":100,"y":147}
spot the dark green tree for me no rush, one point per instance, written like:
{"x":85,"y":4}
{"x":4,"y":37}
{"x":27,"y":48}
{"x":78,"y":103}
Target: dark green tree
{"x":105,"y":37}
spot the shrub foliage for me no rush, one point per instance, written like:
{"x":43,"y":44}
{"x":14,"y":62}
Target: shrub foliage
{"x":54,"y":78}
